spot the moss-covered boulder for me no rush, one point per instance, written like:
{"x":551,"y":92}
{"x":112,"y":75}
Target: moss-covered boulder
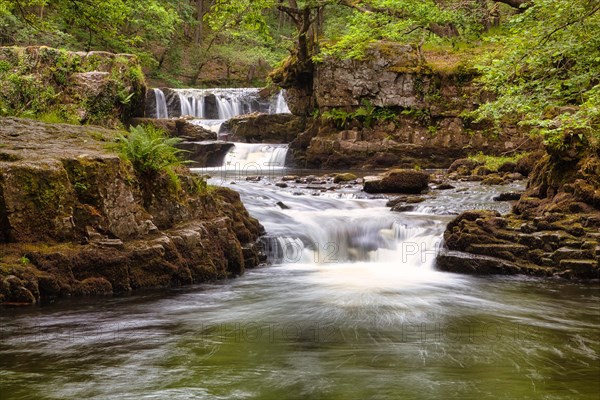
{"x":60,"y":86}
{"x":76,"y":219}
{"x":398,"y":181}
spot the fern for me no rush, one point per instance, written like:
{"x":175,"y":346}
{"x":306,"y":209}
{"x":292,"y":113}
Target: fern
{"x":150,"y":151}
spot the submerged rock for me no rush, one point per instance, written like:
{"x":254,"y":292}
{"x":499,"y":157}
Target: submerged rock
{"x":508,"y":196}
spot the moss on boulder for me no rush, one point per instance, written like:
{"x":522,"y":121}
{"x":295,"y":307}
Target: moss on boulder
{"x":77,"y":87}
{"x":75,"y":219}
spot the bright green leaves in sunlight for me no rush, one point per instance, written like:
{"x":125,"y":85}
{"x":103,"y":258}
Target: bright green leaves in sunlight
{"x":115,"y":25}
{"x":546,"y":71}
{"x":240,"y":17}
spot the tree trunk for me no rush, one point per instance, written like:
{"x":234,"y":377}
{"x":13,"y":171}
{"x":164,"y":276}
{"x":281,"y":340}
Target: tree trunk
{"x":200,"y":15}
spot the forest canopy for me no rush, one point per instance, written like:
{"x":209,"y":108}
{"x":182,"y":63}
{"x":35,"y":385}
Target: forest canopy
{"x":541,"y":58}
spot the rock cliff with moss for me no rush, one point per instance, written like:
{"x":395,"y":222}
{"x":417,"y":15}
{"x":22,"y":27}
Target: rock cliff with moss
{"x":392,"y":108}
{"x":78,"y":87}
{"x":76,"y":219}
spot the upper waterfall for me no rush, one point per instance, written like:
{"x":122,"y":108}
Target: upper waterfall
{"x":213,"y":104}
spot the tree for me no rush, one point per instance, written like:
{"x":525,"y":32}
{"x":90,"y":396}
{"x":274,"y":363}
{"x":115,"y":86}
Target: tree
{"x":546,"y":71}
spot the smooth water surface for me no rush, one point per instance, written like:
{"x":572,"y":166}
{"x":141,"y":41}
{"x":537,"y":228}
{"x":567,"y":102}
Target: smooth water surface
{"x":353,"y":308}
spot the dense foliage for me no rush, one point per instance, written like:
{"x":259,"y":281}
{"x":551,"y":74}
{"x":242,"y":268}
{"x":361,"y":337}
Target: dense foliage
{"x":546,"y":71}
{"x":150,"y":151}
{"x":541,"y":58}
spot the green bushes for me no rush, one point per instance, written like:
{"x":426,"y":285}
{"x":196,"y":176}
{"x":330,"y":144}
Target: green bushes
{"x":366,"y":114}
{"x":54,"y":85}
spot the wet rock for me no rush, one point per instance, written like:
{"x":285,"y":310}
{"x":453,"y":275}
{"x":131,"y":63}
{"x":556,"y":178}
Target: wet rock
{"x":445,"y":186}
{"x":515,"y":176}
{"x":464,"y":166}
{"x":264,"y":128}
{"x":564,"y":253}
{"x":465,"y":263}
{"x":500,"y":250}
{"x":16,"y":291}
{"x":205,"y":154}
{"x":396,"y":200}
{"x":414,"y":199}
{"x":282,"y":205}
{"x":493,"y":180}
{"x":583,"y":269}
{"x":403,"y":208}
{"x":399,"y":181}
{"x":482,"y":170}
{"x":508,"y":166}
{"x":508,"y":196}
{"x":346,"y":177}
{"x":282,"y":185}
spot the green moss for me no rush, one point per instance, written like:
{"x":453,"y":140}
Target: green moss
{"x":36,"y":82}
{"x":494,"y":162}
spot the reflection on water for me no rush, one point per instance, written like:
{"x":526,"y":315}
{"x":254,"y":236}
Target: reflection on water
{"x":369,"y":318}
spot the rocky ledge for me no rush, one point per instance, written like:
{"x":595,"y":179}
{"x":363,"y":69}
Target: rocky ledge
{"x":553,"y":230}
{"x":76,"y":220}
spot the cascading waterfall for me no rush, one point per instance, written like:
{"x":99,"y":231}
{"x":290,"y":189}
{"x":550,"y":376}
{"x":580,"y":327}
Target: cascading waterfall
{"x":281,"y":106}
{"x":352,"y":308}
{"x":255,"y":158}
{"x":219,"y":104}
{"x":337,"y":236}
{"x":161,"y":104}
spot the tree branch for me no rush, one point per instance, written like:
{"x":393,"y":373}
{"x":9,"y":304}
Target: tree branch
{"x":368,"y":9}
{"x":520,"y":5}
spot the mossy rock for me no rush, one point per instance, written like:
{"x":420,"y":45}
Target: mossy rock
{"x":61,"y":86}
{"x":345,"y":177}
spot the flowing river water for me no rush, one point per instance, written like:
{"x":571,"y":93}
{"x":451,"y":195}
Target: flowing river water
{"x":351,"y":308}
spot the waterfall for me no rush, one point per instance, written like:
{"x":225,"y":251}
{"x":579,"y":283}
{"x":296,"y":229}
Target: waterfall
{"x":218,"y":104}
{"x":161,"y":104}
{"x":281,"y":106}
{"x":187,"y":107}
{"x":327,"y":231}
{"x":255,"y":158}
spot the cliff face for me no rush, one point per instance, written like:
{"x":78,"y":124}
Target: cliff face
{"x":390,"y":109}
{"x":56,"y":85}
{"x":75,"y":219}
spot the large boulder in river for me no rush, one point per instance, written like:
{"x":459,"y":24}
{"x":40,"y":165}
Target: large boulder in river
{"x":398,"y":181}
{"x":264,"y":128}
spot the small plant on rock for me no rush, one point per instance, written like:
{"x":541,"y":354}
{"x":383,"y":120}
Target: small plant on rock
{"x":151,"y":151}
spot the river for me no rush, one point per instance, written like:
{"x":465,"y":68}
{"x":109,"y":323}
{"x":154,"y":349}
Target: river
{"x":351,"y":308}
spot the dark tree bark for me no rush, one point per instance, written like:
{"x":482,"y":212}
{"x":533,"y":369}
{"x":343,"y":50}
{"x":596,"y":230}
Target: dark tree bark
{"x":518,"y":4}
